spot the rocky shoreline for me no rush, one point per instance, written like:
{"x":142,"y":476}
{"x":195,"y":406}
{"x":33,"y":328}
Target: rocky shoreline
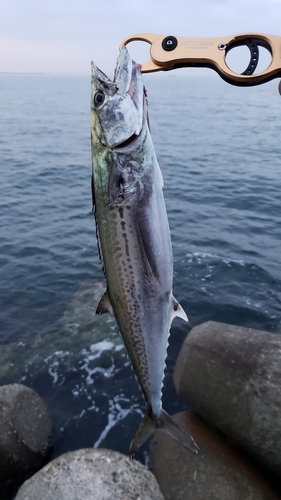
{"x":231,"y":378}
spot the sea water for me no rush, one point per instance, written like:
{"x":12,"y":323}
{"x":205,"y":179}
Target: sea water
{"x":218,"y":147}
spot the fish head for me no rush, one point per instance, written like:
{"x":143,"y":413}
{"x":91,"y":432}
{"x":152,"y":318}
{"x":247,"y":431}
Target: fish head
{"x":118,"y":106}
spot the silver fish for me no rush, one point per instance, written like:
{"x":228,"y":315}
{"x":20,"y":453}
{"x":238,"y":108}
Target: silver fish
{"x":133,"y":235}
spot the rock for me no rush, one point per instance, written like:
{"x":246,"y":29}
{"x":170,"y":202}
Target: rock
{"x":25,"y":430}
{"x":91,"y":473}
{"x":219,"y":472}
{"x":232,"y":377}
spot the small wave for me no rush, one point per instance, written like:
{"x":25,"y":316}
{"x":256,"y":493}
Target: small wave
{"x":200,"y":256}
{"x":53,"y":361}
{"x":116,"y":413}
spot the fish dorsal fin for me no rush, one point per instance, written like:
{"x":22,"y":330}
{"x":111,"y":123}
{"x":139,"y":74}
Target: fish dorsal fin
{"x":177,"y":310}
{"x":104,"y":305}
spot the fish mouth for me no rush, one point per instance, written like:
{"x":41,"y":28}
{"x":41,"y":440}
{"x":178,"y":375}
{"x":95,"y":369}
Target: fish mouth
{"x":127,"y":75}
{"x":122,"y":112}
{"x":128,"y":79}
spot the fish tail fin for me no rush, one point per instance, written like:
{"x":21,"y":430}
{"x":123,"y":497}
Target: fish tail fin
{"x":166,"y":424}
{"x":170,"y":426}
{"x":145,"y":430}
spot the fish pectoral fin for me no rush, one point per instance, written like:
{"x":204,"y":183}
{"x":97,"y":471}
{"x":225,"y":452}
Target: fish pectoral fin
{"x":166,"y":424}
{"x":104,"y":305}
{"x":177,"y":310}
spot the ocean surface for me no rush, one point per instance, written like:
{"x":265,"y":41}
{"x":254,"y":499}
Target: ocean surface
{"x":219,"y":150}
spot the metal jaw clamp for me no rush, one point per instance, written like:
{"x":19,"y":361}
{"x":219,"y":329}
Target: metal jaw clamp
{"x":170,"y":52}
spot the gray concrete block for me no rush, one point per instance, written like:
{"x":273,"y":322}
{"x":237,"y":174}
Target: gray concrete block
{"x":232,"y":377}
{"x":25,"y":432}
{"x":91,"y":474}
{"x":220,"y":471}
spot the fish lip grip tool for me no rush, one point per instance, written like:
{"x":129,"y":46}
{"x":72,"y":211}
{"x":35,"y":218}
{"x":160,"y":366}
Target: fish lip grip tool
{"x":169,"y":52}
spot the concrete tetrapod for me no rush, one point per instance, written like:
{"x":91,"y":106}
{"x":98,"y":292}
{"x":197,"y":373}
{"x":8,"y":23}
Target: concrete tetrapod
{"x":232,"y":377}
{"x":221,"y":471}
{"x":91,"y":474}
{"x":25,"y":432}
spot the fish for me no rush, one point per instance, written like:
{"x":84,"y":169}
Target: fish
{"x":133,"y":235}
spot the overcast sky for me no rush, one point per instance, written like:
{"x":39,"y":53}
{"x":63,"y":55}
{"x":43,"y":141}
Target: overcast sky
{"x":63,"y":36}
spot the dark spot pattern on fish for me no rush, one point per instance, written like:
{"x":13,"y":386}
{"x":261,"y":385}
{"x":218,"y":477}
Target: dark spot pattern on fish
{"x":133,"y":228}
{"x":126,"y":244}
{"x":129,"y":296}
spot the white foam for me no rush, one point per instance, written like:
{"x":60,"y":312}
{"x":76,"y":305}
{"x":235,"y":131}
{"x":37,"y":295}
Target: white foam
{"x":53,"y":366}
{"x":119,"y":347}
{"x":199,"y":256}
{"x":99,"y":347}
{"x":116,"y":414}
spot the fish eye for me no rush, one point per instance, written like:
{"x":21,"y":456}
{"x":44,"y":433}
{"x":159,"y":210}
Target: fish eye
{"x":99,"y":98}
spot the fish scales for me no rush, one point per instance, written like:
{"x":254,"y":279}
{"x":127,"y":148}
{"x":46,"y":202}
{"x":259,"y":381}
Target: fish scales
{"x":137,"y":287}
{"x":133,"y":233}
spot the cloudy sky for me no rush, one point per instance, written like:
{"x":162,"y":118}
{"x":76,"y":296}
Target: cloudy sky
{"x":63,"y":36}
